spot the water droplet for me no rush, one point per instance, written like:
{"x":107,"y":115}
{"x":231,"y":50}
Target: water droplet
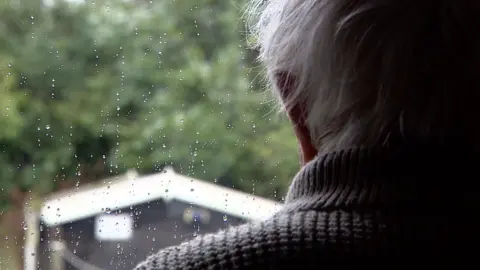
{"x":108,"y":210}
{"x":225,"y":218}
{"x":47,"y":127}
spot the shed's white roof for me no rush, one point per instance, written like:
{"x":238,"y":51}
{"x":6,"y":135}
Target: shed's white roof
{"x":131,"y":190}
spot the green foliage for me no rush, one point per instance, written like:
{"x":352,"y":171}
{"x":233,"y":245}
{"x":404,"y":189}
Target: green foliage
{"x":100,"y":88}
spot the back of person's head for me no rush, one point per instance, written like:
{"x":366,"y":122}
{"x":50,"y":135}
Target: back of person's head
{"x":366,"y":69}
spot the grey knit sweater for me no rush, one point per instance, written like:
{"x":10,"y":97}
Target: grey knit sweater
{"x":352,"y":208}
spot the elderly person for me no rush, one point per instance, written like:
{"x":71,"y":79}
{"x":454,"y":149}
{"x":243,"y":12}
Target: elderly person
{"x":382,"y":95}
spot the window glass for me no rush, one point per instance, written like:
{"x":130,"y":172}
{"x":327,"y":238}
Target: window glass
{"x":129,"y":126}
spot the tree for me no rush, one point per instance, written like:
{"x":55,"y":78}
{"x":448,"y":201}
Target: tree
{"x":90,"y":91}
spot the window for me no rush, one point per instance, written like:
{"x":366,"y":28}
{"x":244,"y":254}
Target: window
{"x":139,"y":124}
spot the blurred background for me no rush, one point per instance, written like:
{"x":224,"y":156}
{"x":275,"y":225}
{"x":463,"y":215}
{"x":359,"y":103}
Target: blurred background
{"x":95,"y":92}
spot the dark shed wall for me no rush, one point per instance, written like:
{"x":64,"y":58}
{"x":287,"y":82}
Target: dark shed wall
{"x":156,"y":225}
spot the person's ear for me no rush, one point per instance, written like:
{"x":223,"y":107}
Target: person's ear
{"x":297,"y":116}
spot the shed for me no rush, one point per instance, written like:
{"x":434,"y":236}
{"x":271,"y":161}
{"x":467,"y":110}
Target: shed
{"x":116,"y":224}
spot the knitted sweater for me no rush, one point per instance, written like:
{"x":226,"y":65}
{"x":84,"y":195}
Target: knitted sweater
{"x":350,"y":208}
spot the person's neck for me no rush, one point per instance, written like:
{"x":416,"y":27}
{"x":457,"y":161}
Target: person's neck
{"x":405,"y":175}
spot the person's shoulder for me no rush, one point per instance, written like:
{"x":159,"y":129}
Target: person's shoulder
{"x":282,"y":240}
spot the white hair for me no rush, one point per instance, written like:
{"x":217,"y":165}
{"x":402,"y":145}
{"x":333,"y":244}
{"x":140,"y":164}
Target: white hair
{"x":368,"y":70}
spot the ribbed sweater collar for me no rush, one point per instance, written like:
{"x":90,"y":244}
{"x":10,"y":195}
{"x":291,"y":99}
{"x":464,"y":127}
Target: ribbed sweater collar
{"x":411,"y":176}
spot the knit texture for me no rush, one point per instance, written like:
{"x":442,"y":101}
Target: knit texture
{"x":351,"y":208}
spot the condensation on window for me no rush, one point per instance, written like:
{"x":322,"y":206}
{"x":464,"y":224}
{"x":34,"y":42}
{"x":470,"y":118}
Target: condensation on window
{"x":130,"y":126}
